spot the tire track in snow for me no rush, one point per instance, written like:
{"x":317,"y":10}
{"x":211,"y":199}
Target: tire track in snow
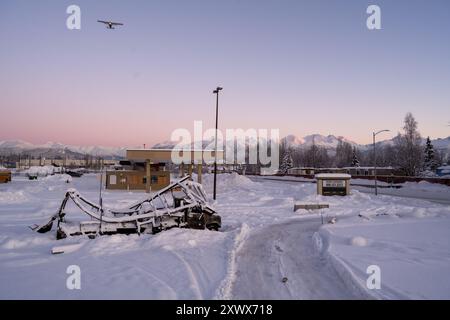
{"x":225,"y":288}
{"x":172,"y":292}
{"x":191,"y":274}
{"x":259,"y":269}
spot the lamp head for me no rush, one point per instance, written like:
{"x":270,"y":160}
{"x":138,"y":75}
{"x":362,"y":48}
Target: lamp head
{"x":217,"y":90}
{"x":385,"y":130}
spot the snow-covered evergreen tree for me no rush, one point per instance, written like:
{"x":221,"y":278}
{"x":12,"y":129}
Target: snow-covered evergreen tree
{"x":355,"y":161}
{"x":287,"y":162}
{"x":430,"y":163}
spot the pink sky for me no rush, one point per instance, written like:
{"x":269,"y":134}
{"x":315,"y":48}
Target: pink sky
{"x":296,"y":67}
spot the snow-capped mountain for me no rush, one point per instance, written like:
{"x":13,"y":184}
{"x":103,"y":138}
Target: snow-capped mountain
{"x":327,"y":142}
{"x":442,"y":144}
{"x":330,"y":142}
{"x":205,"y":144}
{"x":292,"y":140}
{"x":16,"y":144}
{"x":168,"y":144}
{"x":57,"y":149}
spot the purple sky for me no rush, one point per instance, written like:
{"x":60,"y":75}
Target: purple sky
{"x":301,"y":66}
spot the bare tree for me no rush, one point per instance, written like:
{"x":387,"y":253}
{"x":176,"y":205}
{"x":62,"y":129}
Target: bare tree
{"x":409,"y":149}
{"x":317,"y":157}
{"x":344,"y":154}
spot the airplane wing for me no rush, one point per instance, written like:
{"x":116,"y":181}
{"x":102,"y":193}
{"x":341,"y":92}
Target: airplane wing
{"x":103,"y":21}
{"x":117,"y":24}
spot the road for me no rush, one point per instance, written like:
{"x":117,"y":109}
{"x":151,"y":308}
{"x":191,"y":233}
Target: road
{"x":286,"y":251}
{"x":437,"y":198}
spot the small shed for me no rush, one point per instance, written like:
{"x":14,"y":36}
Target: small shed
{"x":330,"y":184}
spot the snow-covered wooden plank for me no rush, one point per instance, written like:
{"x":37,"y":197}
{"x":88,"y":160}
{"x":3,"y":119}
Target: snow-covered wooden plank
{"x":310,"y":206}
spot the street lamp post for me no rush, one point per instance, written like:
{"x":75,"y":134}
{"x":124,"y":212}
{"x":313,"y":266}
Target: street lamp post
{"x":216,"y":92}
{"x":375,"y":159}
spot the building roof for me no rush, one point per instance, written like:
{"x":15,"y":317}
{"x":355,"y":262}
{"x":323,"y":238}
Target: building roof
{"x":169,"y":155}
{"x":367,"y":168}
{"x":333,"y":176}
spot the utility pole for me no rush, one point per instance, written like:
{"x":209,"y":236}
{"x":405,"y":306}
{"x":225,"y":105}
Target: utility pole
{"x":101,"y":202}
{"x":375,"y":159}
{"x":313,"y":148}
{"x":216,"y":92}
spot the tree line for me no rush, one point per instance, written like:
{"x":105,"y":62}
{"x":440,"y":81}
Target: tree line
{"x":406,"y":153}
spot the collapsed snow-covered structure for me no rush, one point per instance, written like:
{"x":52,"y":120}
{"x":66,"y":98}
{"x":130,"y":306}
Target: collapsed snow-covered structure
{"x":181,"y":204}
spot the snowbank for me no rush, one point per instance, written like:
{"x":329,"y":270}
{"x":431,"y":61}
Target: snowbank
{"x":37,"y":171}
{"x":227,"y":181}
{"x":426,"y":186}
{"x":57,"y":178}
{"x":412,"y":254}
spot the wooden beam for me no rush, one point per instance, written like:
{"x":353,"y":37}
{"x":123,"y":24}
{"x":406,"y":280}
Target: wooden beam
{"x":199,"y":173}
{"x":148,"y":186}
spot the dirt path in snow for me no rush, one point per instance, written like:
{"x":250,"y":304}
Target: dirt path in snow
{"x":286,"y":251}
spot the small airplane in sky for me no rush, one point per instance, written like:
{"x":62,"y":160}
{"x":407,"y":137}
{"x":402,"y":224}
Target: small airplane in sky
{"x":110,"y":24}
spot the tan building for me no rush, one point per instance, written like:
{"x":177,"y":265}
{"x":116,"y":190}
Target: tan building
{"x":137,"y":179}
{"x":145,"y":169}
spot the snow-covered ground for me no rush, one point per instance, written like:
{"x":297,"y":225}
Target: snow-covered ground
{"x":262,"y":241}
{"x":420,"y":190}
{"x":437,"y":193}
{"x":413,"y":254}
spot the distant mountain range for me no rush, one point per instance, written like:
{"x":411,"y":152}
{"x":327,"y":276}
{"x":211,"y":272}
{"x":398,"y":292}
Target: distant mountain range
{"x":442,"y":144}
{"x":328,"y":142}
{"x":53,"y":149}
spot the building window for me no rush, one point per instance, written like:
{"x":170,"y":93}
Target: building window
{"x":144,"y":180}
{"x":112,"y":179}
